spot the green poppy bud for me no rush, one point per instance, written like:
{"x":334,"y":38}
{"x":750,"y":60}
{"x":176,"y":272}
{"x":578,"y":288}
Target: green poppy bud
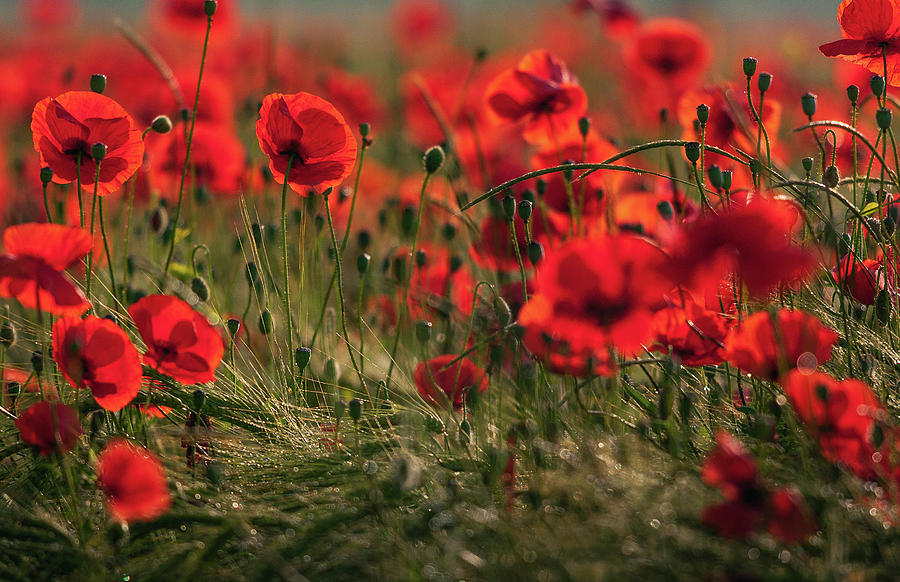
{"x":421,"y":258}
{"x":408,"y":221}
{"x":509,"y":207}
{"x":853,"y":94}
{"x":455,"y":263}
{"x":423,"y":331}
{"x":301,"y":358}
{"x":876,"y":83}
{"x":764,"y":81}
{"x":37,"y":361}
{"x":809,"y":104}
{"x":355,"y":408}
{"x":233,"y":325}
{"x":200,"y":287}
{"x":535,"y":252}
{"x":7,"y":335}
{"x":364,"y":129}
{"x":98,"y":151}
{"x":98,"y":83}
{"x":807,"y":164}
{"x":161,"y":124}
{"x":727,"y":176}
{"x":525,"y":209}
{"x":448,"y":231}
{"x":584,"y":126}
{"x":528,"y":195}
{"x":433,"y":159}
{"x":883,"y":306}
{"x":715,"y":176}
{"x":199,"y":399}
{"x":831,"y":177}
{"x":664,"y":207}
{"x":46,"y":175}
{"x":884,"y":117}
{"x":692,"y":151}
{"x":362,"y":263}
{"x":703,"y":113}
{"x":265,"y":324}
{"x":364,"y":239}
{"x":340,"y":407}
{"x":209,"y":6}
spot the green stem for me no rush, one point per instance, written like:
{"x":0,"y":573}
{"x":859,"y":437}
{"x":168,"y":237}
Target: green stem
{"x":112,"y":276}
{"x":284,"y":263}
{"x":46,"y":204}
{"x":90,"y":255}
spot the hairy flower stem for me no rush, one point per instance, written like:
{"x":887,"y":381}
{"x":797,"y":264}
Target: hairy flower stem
{"x":90,"y":255}
{"x":46,"y":204}
{"x":187,"y":155}
{"x":404,"y":307}
{"x":109,"y":261}
{"x":340,"y":287}
{"x":286,"y":271}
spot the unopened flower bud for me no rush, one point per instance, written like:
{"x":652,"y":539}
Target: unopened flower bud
{"x":535,"y":252}
{"x":584,"y":126}
{"x":340,"y":407}
{"x":332,"y":371}
{"x":456,"y":263}
{"x":37,"y":361}
{"x":265,"y":324}
{"x":528,"y":195}
{"x":362,"y":263}
{"x":98,"y":83}
{"x":831,"y":177}
{"x":98,"y":151}
{"x":421,"y":258}
{"x":807,"y":164}
{"x":509,"y":207}
{"x":884,"y":117}
{"x":883,"y":306}
{"x":364,"y":129}
{"x":448,"y":231}
{"x":703,"y":113}
{"x":251,"y":273}
{"x":764,"y":81}
{"x":161,"y":124}
{"x":876,"y":83}
{"x":853,"y":93}
{"x":301,"y":358}
{"x":364,"y":239}
{"x":200,"y":287}
{"x":199,"y":399}
{"x":209,"y":6}
{"x":233,"y":325}
{"x":727,"y":176}
{"x":749,"y":65}
{"x":46,"y":175}
{"x":423,"y":331}
{"x":7,"y":335}
{"x":408,"y":221}
{"x":664,"y":207}
{"x":525,"y":209}
{"x":715,"y":176}
{"x":433,"y":159}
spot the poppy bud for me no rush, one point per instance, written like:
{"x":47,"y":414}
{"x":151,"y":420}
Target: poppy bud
{"x":201,"y":288}
{"x":256,"y":231}
{"x":209,"y":6}
{"x":884,"y":117}
{"x":715,"y":176}
{"x":528,"y":195}
{"x":535,"y":252}
{"x":525,"y":208}
{"x":46,"y":175}
{"x":876,"y":83}
{"x":7,"y":335}
{"x":234,"y":325}
{"x":364,"y":239}
{"x":319,"y":222}
{"x":98,"y":151}
{"x":265,"y":323}
{"x":663,"y":116}
{"x":98,"y":83}
{"x":408,"y":221}
{"x":364,"y":129}
{"x":889,"y":225}
{"x":809,"y":103}
{"x":764,"y":81}
{"x":252,"y":275}
{"x":423,"y":331}
{"x":664,"y":207}
{"x":883,"y":306}
{"x":433,"y":159}
{"x":301,"y":358}
{"x":501,"y":308}
{"x":448,"y":231}
{"x":703,"y":113}
{"x":455,"y":263}
{"x":692,"y":151}
{"x":355,"y":408}
{"x":584,"y":126}
{"x":199,"y":399}
{"x":727,"y":175}
{"x":332,"y":371}
{"x":465,"y":432}
{"x":362,"y":263}
{"x":541,"y":185}
{"x":831,"y":177}
{"x":37,"y":361}
{"x":509,"y":207}
{"x":161,"y":124}
{"x":874,"y":227}
{"x":749,"y":64}
{"x":421,"y":258}
{"x":807,"y":165}
{"x":853,"y":94}
{"x":399,"y":268}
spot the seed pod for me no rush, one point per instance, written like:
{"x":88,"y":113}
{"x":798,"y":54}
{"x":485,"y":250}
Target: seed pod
{"x":98,"y":83}
{"x":876,"y":83}
{"x":535,"y":252}
{"x":883,"y":306}
{"x":764,"y":82}
{"x":265,"y":324}
{"x":727,"y":176}
{"x":884,"y":117}
{"x":364,"y":129}
{"x":584,"y":126}
{"x":692,"y":151}
{"x":301,"y":358}
{"x":233,"y":325}
{"x":807,"y":164}
{"x":809,"y":104}
{"x":98,"y":151}
{"x":465,"y":432}
{"x":853,"y":94}
{"x":749,"y":65}
{"x":161,"y":124}
{"x":715,"y":176}
{"x":525,"y":208}
{"x":209,"y":7}
{"x":423,"y":331}
{"x":509,"y":207}
{"x":703,"y":113}
{"x":46,"y":175}
{"x":199,"y":399}
{"x":355,"y":408}
{"x":831,"y":177}
{"x":362,"y":263}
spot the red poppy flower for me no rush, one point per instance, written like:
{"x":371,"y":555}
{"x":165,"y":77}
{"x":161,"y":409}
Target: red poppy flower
{"x":97,"y":354}
{"x":438,"y":386}
{"x":49,"y":426}
{"x":668,"y":54}
{"x":841,"y":415}
{"x":789,"y":520}
{"x":732,"y":519}
{"x":134,"y":481}
{"x":597,"y":294}
{"x":861,"y":279}
{"x":729,"y":467}
{"x":189,"y":17}
{"x":65,"y":128}
{"x":154,"y":410}
{"x":541,"y":91}
{"x":217,"y":161}
{"x":310,"y":130}
{"x":758,"y":347}
{"x":753,"y":240}
{"x":180,"y":342}
{"x":354,"y":96}
{"x":494,"y":248}
{"x":420,"y":25}
{"x":31,"y":270}
{"x":868,"y":27}
{"x":694,"y":334}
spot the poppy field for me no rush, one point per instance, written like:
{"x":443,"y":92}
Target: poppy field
{"x":416,"y":294}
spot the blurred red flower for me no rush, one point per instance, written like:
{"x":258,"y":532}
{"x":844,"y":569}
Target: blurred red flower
{"x":49,"y":426}
{"x":31,"y":270}
{"x":862,"y":279}
{"x":694,"y":334}
{"x":134,"y":481}
{"x":314,"y":133}
{"x":541,"y":91}
{"x":789,"y":520}
{"x":869,"y":27}
{"x":767,"y":348}
{"x":64,"y":129}
{"x":97,"y":354}
{"x":188,"y":17}
{"x":436,"y":289}
{"x":180,"y":341}
{"x":729,"y":467}
{"x":439,"y":386}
